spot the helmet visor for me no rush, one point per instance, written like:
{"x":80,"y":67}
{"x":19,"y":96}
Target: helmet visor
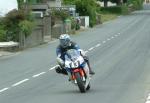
{"x":64,"y":43}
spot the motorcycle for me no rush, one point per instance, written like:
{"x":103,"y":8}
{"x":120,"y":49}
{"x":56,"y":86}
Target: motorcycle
{"x":77,"y":69}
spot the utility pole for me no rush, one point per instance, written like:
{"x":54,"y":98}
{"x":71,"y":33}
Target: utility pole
{"x":105,"y":3}
{"x":25,"y":6}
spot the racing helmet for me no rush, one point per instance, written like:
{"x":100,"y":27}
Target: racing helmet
{"x":64,"y":40}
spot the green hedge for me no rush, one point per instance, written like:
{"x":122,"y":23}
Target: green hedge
{"x":115,"y":9}
{"x":136,"y":4}
{"x":2,"y":34}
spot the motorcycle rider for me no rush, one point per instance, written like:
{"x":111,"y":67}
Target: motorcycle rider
{"x":66,"y":44}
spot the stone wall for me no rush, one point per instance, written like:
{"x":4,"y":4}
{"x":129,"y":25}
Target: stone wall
{"x":42,"y":29}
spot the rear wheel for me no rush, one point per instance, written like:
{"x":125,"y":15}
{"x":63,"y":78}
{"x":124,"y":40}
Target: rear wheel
{"x":80,"y":83}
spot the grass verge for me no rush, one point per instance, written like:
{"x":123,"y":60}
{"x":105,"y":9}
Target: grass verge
{"x":108,"y":17}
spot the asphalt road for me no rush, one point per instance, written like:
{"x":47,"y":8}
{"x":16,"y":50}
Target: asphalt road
{"x":119,"y":53}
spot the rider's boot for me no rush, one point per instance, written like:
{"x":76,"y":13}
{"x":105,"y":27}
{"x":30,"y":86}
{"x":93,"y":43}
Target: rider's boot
{"x":90,"y":70}
{"x":61,"y":70}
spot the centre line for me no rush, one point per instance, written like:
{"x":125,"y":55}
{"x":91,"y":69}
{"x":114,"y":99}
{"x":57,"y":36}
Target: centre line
{"x":20,"y":82}
{"x":91,"y":48}
{"x":98,"y":45}
{"x":104,"y":41}
{"x":38,"y":74}
{"x":2,"y":90}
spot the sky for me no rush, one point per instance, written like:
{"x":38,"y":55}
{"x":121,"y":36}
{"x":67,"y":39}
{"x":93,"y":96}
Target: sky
{"x":7,"y":5}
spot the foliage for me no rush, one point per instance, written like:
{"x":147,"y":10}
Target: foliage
{"x":26,"y":27}
{"x":112,"y":9}
{"x":13,"y":18}
{"x":61,"y":14}
{"x":70,"y":2}
{"x":2,"y":34}
{"x":20,"y":3}
{"x":136,"y":4}
{"x":116,"y":9}
{"x":87,"y":8}
{"x":73,"y":23}
{"x":14,"y":22}
{"x":11,"y":22}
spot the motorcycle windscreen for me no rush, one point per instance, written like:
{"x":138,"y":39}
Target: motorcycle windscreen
{"x":72,"y":54}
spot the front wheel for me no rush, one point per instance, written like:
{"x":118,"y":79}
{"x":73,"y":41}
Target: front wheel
{"x":80,"y":83}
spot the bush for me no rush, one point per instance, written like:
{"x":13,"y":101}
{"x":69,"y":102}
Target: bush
{"x":73,"y":23}
{"x":115,"y":9}
{"x":16,"y":21}
{"x":70,"y":2}
{"x":136,"y":4}
{"x":125,"y":9}
{"x":11,"y":21}
{"x":26,"y":27}
{"x":61,"y":14}
{"x":87,"y":8}
{"x":2,"y":34}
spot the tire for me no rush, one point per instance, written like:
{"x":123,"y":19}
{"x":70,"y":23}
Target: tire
{"x":80,"y":83}
{"x":88,"y":87}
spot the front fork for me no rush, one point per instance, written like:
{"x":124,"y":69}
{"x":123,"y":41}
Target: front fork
{"x":81,"y":73}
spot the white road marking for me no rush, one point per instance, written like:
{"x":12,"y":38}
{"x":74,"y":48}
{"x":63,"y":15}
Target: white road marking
{"x":98,"y":45}
{"x":119,"y":33}
{"x":20,"y":82}
{"x":104,"y":41}
{"x":53,"y":67}
{"x":2,"y":90}
{"x":91,"y":48}
{"x":116,"y":35}
{"x":86,"y":52}
{"x":148,"y":99}
{"x":108,"y":39}
{"x":38,"y":74}
{"x":112,"y":37}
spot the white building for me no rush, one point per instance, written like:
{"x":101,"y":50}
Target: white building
{"x":147,"y":1}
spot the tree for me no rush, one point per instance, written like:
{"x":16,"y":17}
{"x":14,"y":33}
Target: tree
{"x":11,"y":21}
{"x":20,"y":3}
{"x":87,"y":8}
{"x":16,"y":22}
{"x":105,"y":3}
{"x":69,"y":2}
{"x":2,"y":33}
{"x":137,"y":4}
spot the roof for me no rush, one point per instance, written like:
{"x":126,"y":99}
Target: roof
{"x":39,"y":6}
